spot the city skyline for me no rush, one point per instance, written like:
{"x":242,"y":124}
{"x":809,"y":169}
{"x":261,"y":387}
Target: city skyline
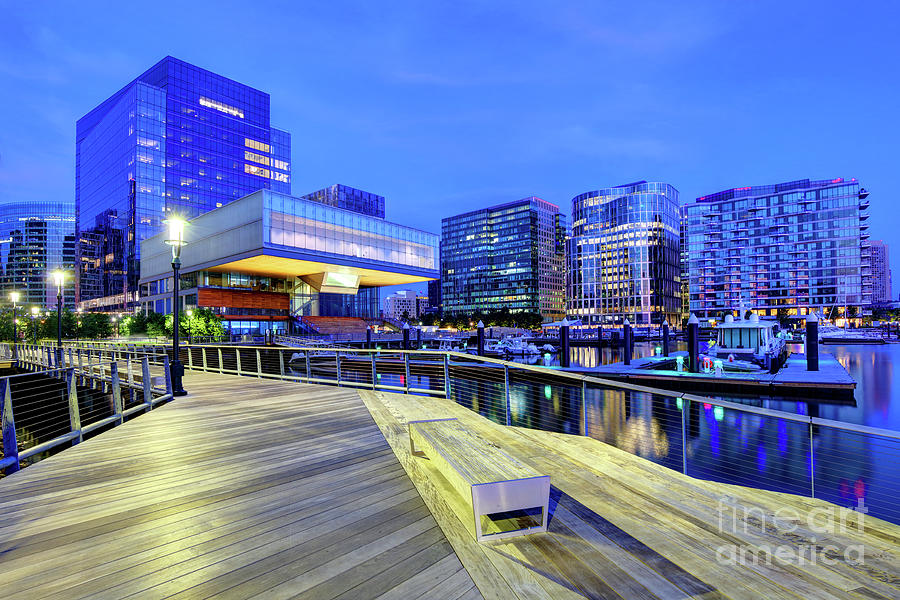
{"x":469,"y":120}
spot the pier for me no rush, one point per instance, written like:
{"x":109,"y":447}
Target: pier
{"x":254,"y":486}
{"x":831,"y":381}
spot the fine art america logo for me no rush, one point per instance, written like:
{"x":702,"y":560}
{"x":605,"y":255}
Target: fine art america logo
{"x":809,"y":537}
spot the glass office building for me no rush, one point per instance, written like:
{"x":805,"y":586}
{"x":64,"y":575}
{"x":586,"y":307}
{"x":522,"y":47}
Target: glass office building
{"x":623,"y":259}
{"x":506,"y":256}
{"x":269,"y":259}
{"x":791,"y":247}
{"x":178,"y":139}
{"x":36,"y":238}
{"x":349,"y":198}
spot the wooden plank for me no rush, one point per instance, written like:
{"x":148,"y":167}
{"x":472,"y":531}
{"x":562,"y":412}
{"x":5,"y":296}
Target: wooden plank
{"x":221,"y":488}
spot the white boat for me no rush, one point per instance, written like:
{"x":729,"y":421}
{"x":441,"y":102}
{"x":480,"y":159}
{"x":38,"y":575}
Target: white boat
{"x":750,"y":340}
{"x":518,"y":346}
{"x":830,"y":334}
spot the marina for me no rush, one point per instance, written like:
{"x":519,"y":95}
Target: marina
{"x":313,"y":492}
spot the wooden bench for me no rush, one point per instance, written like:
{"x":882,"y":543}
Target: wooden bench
{"x":493,"y":481}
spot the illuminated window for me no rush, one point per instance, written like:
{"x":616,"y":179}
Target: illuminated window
{"x":236,"y":112}
{"x":262,"y":147}
{"x":258,"y":171}
{"x":256,"y":157}
{"x":280,"y":164}
{"x":283,"y":177}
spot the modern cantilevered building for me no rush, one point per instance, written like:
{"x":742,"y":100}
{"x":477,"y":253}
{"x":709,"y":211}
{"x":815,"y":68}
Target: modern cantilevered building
{"x":176,"y":140}
{"x":267,"y":259}
{"x":791,"y":247}
{"x":623,"y":257}
{"x":506,"y":256}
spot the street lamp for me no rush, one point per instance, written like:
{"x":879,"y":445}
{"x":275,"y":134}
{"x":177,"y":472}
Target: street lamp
{"x":176,"y":240}
{"x":59,"y":277}
{"x":190,"y":315}
{"x":35,"y":313}
{"x":115,"y":321}
{"x":14,"y":296}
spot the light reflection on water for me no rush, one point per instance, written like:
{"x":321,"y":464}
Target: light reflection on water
{"x":747,"y":449}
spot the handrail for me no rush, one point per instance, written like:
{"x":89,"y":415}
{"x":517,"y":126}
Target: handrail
{"x":95,"y":376}
{"x":497,"y":389}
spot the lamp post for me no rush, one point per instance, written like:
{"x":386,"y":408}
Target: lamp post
{"x":176,"y":240}
{"x":59,"y":277}
{"x":115,"y":321}
{"x":35,"y":313}
{"x":190,"y":315}
{"x":14,"y":296}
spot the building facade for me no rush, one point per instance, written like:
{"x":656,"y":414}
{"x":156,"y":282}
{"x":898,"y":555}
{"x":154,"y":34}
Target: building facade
{"x":37,"y":238}
{"x":623,"y":257}
{"x":881,"y":273}
{"x":176,"y":140}
{"x":506,"y":256}
{"x":268,"y":259}
{"x":405,"y":305}
{"x":349,"y":198}
{"x":782,"y":250}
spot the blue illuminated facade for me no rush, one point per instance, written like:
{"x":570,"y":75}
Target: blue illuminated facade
{"x":36,"y":238}
{"x":623,"y":258}
{"x":507,"y":256}
{"x":784,"y":249}
{"x":176,"y":140}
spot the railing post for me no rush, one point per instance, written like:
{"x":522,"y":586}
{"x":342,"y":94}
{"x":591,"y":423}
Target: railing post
{"x":168,"y":373}
{"x":308,"y":370}
{"x":447,"y":376}
{"x":237,"y":354}
{"x":337,"y":366}
{"x":281,"y":363}
{"x":685,"y":422}
{"x":190,"y":358}
{"x":258,"y":364}
{"x":506,"y":387}
{"x":406,"y":370}
{"x":80,"y":365}
{"x":74,"y":414}
{"x":145,"y":381}
{"x":8,"y":425}
{"x":584,"y":413}
{"x":374,"y":371}
{"x":203,"y":356}
{"x":71,"y":363}
{"x":812,"y":463}
{"x":220,"y":361}
{"x":116,"y":391}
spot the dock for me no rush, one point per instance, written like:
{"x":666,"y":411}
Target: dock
{"x":274,"y":489}
{"x":831,"y":382}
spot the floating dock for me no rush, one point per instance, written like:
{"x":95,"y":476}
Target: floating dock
{"x":831,"y":382}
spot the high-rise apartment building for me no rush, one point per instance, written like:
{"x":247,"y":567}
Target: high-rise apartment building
{"x":37,"y":238}
{"x":623,"y":257}
{"x":506,"y":256}
{"x":176,"y":140}
{"x":881,"y":273}
{"x":794,"y":247}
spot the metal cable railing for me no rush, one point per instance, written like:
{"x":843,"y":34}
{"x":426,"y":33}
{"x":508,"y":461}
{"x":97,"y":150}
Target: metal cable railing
{"x":706,"y":438}
{"x":66,"y":394}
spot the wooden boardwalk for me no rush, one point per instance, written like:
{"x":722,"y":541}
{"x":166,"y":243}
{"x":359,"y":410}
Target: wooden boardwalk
{"x":624,"y":528}
{"x":246,"y":488}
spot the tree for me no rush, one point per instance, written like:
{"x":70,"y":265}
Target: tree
{"x":156,"y":325}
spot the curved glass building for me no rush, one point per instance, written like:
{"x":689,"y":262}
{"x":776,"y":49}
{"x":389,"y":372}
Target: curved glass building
{"x":37,"y":238}
{"x":623,"y":255}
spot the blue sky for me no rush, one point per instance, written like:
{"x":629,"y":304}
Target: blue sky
{"x":444,"y":107}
